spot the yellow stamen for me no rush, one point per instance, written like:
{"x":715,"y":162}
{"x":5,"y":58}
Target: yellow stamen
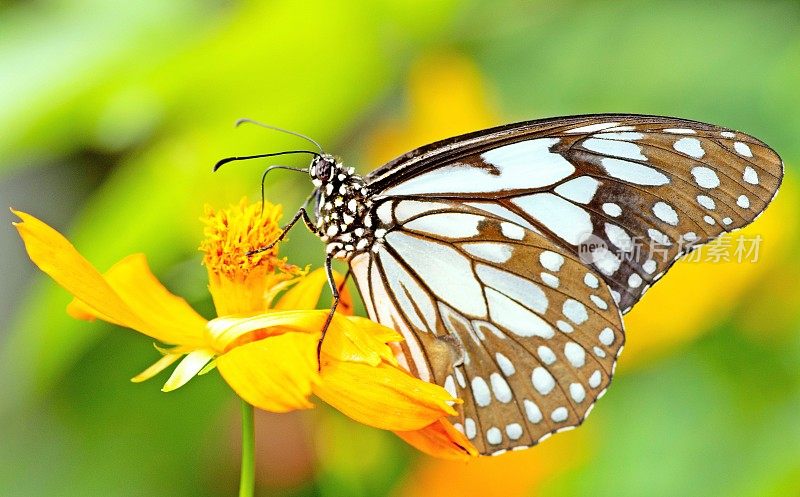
{"x":242,"y":283}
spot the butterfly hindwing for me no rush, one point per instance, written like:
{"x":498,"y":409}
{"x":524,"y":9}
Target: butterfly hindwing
{"x":520,"y":329}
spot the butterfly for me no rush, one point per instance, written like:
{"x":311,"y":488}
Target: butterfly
{"x":507,"y":257}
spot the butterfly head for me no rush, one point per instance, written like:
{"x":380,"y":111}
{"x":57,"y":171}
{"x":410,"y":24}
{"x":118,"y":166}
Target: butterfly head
{"x":322,"y":169}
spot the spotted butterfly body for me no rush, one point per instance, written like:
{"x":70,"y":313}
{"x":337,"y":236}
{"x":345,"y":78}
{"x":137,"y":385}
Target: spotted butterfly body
{"x":471,"y":247}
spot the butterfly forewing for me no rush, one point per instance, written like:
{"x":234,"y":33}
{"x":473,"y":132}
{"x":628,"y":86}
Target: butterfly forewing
{"x":647,"y":189}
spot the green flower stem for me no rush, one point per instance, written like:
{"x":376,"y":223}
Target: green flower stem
{"x":247,"y":481}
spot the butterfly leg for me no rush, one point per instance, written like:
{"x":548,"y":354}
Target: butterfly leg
{"x":334,"y":305}
{"x":301,"y":214}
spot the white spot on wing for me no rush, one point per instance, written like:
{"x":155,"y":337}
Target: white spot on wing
{"x":594,"y":379}
{"x":532,"y":411}
{"x":516,"y":318}
{"x":385,"y":212}
{"x":565,"y":219}
{"x":450,"y":225}
{"x":494,"y":436}
{"x":546,"y":354}
{"x":743,"y":201}
{"x":514,"y":431}
{"x":750,"y":175}
{"x":502,"y":391}
{"x":742,"y":149}
{"x":612,"y":209}
{"x":581,"y":189}
{"x":564,"y":326}
{"x":520,"y":289}
{"x":619,"y":237}
{"x":450,"y":386}
{"x":550,"y":280}
{"x":575,"y":311}
{"x":633,"y":172}
{"x":506,"y":366}
{"x":658,"y":236}
{"x":470,"y":429}
{"x":616,"y":148}
{"x":605,"y":261}
{"x":480,"y":390}
{"x":559,"y":414}
{"x":619,"y":136}
{"x":575,"y":354}
{"x":542,"y":381}
{"x":512,"y":231}
{"x":666,"y":213}
{"x":680,"y":131}
{"x":489,"y":251}
{"x":606,"y":336}
{"x":551,"y":261}
{"x":577,"y":392}
{"x":460,"y":378}
{"x":705,"y":177}
{"x":600,"y":303}
{"x":706,"y":202}
{"x":690,"y":147}
{"x":592,"y":128}
{"x":407,"y":209}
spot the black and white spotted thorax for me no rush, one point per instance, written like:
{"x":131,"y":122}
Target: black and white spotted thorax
{"x":344,"y":218}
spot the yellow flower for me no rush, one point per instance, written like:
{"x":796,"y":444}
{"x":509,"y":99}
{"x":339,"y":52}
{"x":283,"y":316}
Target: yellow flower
{"x":265,"y":348}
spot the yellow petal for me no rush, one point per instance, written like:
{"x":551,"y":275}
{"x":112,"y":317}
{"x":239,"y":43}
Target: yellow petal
{"x":227,"y":331}
{"x":359,"y":340}
{"x":211,"y":366}
{"x":156,"y":368}
{"x":305,"y":293}
{"x":274,"y":374}
{"x":79,"y":310}
{"x":188,"y":368}
{"x":384,"y":396}
{"x":54,"y":255}
{"x":174,"y":319}
{"x":440,"y":439}
{"x":128,"y":295}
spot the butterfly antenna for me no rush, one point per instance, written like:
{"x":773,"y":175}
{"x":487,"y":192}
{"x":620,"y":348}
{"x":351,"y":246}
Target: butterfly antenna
{"x":259,"y":156}
{"x":275,"y":128}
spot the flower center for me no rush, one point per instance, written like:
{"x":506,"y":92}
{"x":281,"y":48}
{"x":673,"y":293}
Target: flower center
{"x":242,"y":283}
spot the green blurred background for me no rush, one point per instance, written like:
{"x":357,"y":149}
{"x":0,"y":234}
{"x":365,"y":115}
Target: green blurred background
{"x":112,"y":113}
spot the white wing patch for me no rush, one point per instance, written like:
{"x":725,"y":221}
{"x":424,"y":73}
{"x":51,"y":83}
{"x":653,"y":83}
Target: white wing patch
{"x":566,"y":220}
{"x":525,"y":164}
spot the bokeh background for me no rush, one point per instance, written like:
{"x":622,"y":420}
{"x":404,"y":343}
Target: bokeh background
{"x":112,"y":113}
